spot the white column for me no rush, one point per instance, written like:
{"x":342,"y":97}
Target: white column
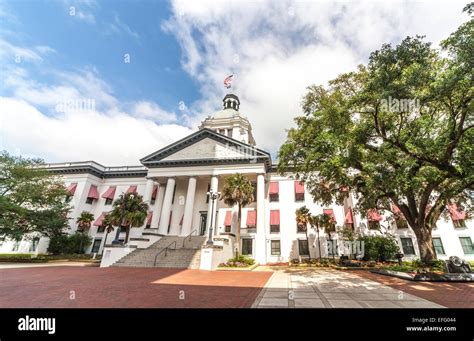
{"x":188,"y":208}
{"x":158,"y":205}
{"x":166,"y":210}
{"x":211,"y":214}
{"x":148,"y":190}
{"x":260,"y":247}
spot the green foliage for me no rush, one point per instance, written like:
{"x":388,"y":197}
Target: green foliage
{"x":40,"y":258}
{"x":237,"y":190}
{"x":84,"y":220}
{"x":238,"y":262}
{"x":379,"y":247}
{"x":129,"y":211}
{"x":69,"y":244}
{"x":32,"y":201}
{"x":398,"y":130}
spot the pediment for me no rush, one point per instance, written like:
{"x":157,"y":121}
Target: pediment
{"x":206,"y":147}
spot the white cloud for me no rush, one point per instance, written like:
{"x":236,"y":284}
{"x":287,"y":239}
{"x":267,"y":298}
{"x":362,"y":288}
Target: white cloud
{"x":277,"y":49}
{"x":76,"y":136}
{"x":151,"y":110}
{"x":118,"y":26}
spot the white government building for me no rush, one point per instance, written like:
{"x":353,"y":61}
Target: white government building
{"x":175,"y":180}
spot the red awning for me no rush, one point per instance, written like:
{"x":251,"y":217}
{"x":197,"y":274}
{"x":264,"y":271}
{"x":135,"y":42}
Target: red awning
{"x":72,"y":188}
{"x":251,"y":218}
{"x":348,"y":219}
{"x":93,"y":193}
{"x":110,"y":193}
{"x":274,"y":187}
{"x":330,"y":212}
{"x":148,"y":218}
{"x":100,"y":220}
{"x":275,"y":217}
{"x":299,"y":187}
{"x":132,"y":189}
{"x":228,"y":218}
{"x":155,"y":192}
{"x":455,"y":213}
{"x":373,"y":215}
{"x":395,"y":209}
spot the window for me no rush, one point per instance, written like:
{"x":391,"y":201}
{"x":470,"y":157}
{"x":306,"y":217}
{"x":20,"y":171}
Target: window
{"x":459,"y":223}
{"x":401,"y":223}
{"x":247,"y":246}
{"x":89,"y":200}
{"x":207,"y":195}
{"x":96,"y":245}
{"x":407,"y":246}
{"x":303,"y":247}
{"x":275,"y":221}
{"x":152,"y":201}
{"x":101,"y":229}
{"x":299,"y":196}
{"x":227,"y":228}
{"x":274,"y":197}
{"x":438,"y":246}
{"x":467,"y":246}
{"x":34,"y":244}
{"x":229,"y":133}
{"x":123,"y":229}
{"x":299,"y":190}
{"x":374,"y":225}
{"x":300,"y":228}
{"x":16,"y":246}
{"x":68,"y":198}
{"x":108,"y":201}
{"x":275,"y":248}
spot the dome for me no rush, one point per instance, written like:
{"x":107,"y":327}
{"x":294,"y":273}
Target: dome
{"x":226,"y":113}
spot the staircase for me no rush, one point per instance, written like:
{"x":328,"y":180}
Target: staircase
{"x":188,"y":256}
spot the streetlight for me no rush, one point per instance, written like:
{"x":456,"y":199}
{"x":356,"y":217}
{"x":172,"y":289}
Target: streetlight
{"x":213,"y":196}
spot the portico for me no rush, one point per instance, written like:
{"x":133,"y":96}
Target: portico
{"x":184,"y":199}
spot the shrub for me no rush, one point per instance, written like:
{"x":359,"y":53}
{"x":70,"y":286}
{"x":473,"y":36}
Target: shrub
{"x":69,"y":244}
{"x":379,"y":248}
{"x":238,"y":262}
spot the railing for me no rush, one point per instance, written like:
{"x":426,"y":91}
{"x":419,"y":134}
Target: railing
{"x":189,"y":236}
{"x":165,"y":250}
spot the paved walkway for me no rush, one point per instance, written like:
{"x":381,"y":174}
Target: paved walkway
{"x":92,"y":287}
{"x":451,"y":295}
{"x":308,"y":288}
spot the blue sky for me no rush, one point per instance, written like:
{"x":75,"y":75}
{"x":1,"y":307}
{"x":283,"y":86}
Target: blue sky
{"x":57,"y":52}
{"x":117,"y":28}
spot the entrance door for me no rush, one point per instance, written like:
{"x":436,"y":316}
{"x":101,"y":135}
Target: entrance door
{"x":202,"y":223}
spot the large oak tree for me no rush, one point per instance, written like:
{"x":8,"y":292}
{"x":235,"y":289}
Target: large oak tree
{"x":396,"y":131}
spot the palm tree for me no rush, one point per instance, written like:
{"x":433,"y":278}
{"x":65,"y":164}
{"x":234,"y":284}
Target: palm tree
{"x":128,"y":211}
{"x":109,"y":227}
{"x":84,"y":221}
{"x":237,"y":190}
{"x":318,"y":221}
{"x":302,"y":220}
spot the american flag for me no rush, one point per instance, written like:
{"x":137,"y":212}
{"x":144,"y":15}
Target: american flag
{"x":228,"y":81}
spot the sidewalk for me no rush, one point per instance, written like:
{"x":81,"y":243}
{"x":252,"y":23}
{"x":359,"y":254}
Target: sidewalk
{"x":308,"y":288}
